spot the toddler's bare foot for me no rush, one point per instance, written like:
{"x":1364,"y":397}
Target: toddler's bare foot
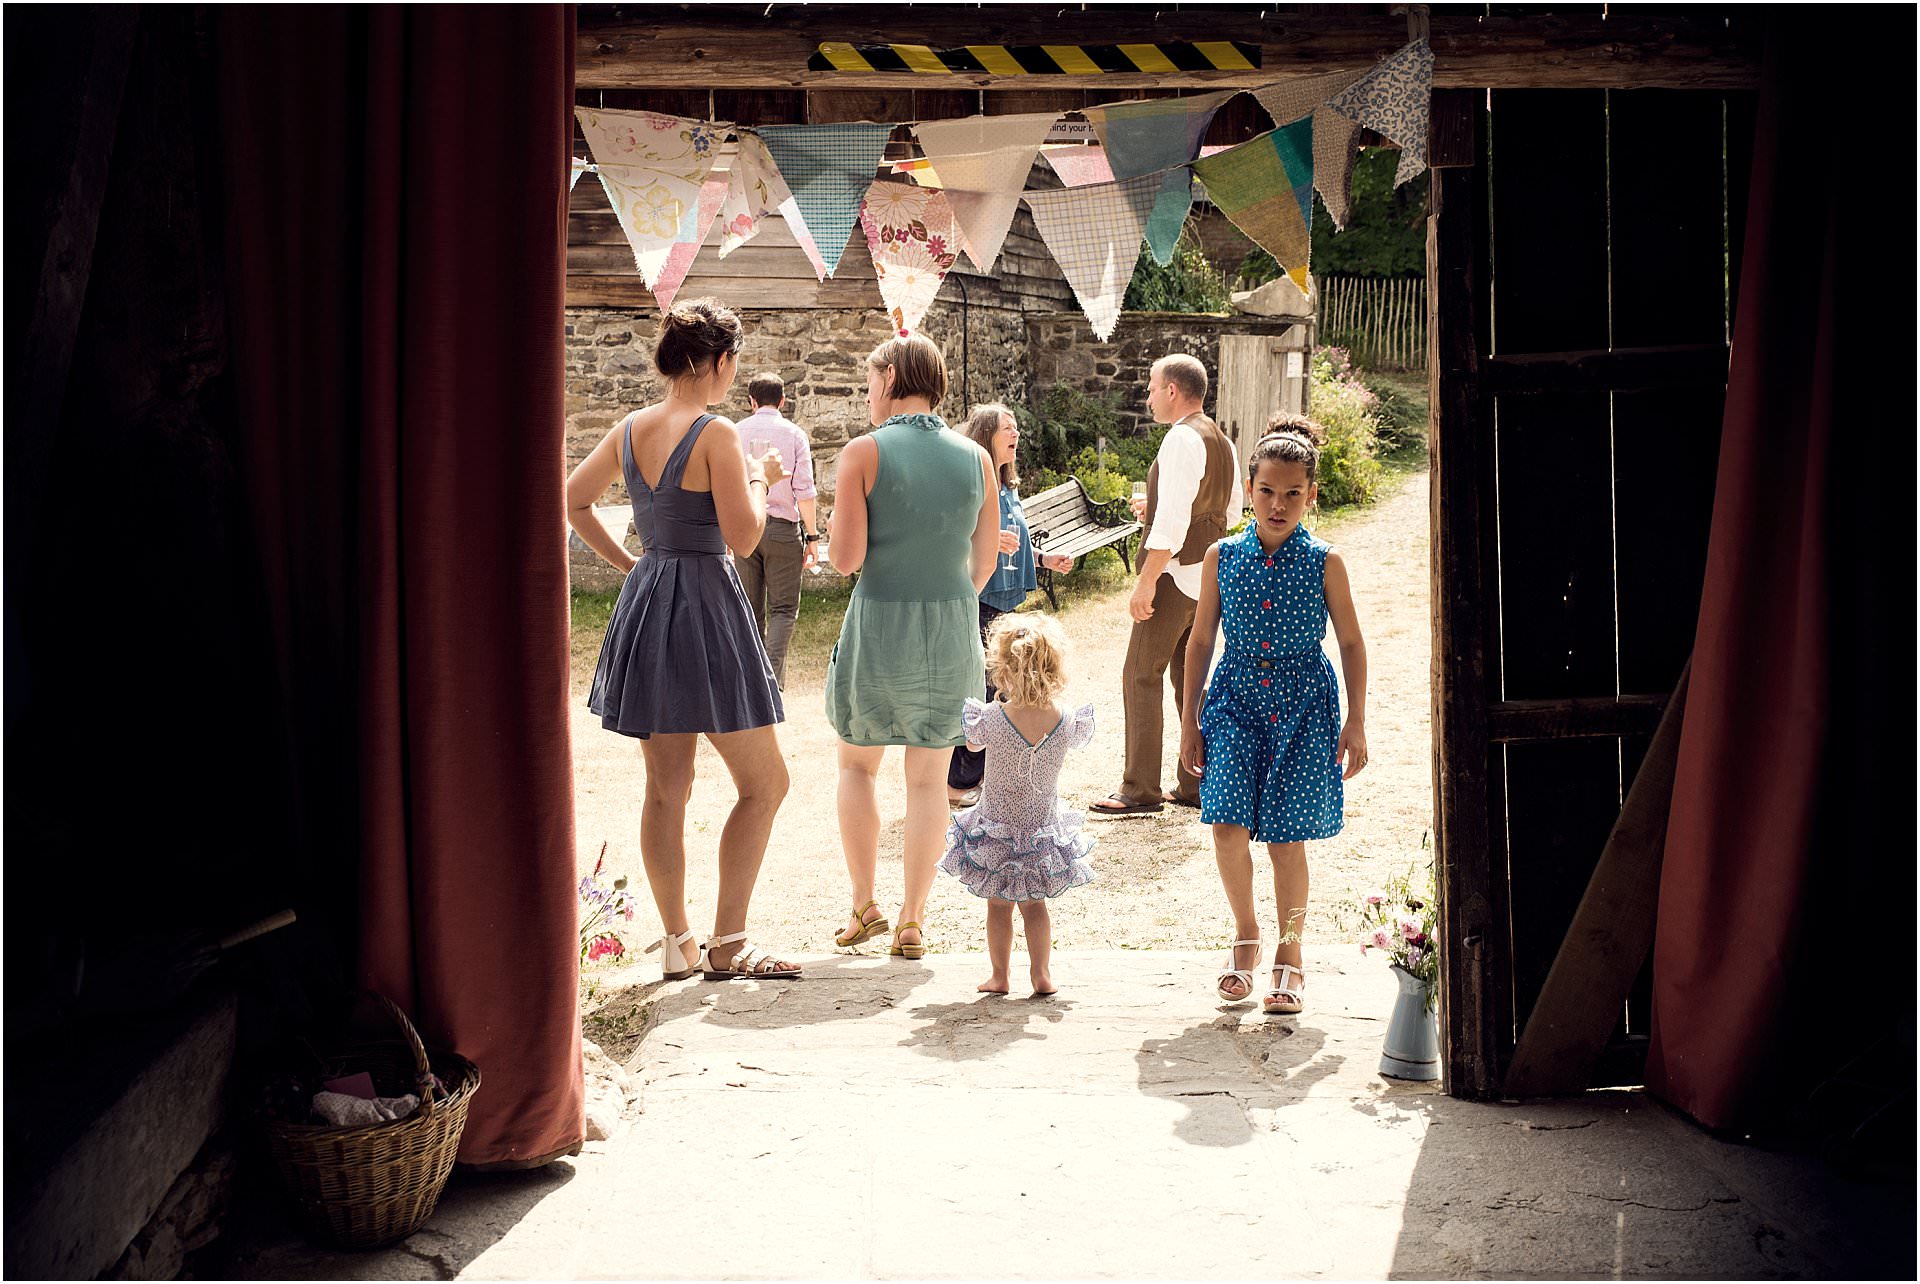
{"x":1042,"y":983}
{"x":995,"y":984}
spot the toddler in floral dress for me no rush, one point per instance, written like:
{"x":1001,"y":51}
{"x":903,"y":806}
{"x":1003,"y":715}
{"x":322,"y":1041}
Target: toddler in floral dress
{"x":1018,"y":845}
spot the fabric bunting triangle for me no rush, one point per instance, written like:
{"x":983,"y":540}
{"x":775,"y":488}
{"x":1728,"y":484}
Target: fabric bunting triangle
{"x":1156,"y":134}
{"x":652,"y":167}
{"x":1094,"y":233}
{"x":579,"y":167}
{"x":1394,"y":99}
{"x":1335,"y":137}
{"x":1266,"y":187}
{"x":827,"y":167}
{"x":755,"y":191}
{"x":693,"y":234}
{"x":982,"y":163}
{"x":1079,"y":166}
{"x":1170,"y":206}
{"x":910,"y":232}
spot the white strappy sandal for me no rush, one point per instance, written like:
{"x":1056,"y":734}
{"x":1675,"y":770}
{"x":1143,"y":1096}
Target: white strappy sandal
{"x":1244,"y":974}
{"x":751,"y":964}
{"x":674,"y":965}
{"x":1282,"y":992}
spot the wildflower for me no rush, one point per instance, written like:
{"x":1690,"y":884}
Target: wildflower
{"x":1375,"y":898}
{"x":1381,"y":940}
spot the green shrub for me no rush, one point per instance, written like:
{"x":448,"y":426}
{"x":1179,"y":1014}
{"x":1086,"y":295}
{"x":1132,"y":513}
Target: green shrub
{"x":1345,"y":407}
{"x":1187,"y":284}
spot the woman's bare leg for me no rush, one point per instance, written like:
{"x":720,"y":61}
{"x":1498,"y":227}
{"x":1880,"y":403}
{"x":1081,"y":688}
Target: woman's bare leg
{"x":859,"y":818}
{"x":927,"y":815}
{"x":1234,"y":856}
{"x":760,"y":777}
{"x":999,"y":946}
{"x":663,"y":825}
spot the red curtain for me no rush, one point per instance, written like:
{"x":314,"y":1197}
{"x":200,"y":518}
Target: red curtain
{"x":395,"y":184}
{"x":1791,"y":758}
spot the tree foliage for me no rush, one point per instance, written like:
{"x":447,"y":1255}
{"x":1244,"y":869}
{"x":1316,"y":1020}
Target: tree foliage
{"x":1386,"y":234}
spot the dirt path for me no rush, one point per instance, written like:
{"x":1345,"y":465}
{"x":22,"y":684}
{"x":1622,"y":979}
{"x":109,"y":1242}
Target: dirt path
{"x":1157,"y":884}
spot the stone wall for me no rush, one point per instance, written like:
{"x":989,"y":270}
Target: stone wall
{"x":1062,"y":350}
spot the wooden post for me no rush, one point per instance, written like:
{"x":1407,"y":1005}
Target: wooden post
{"x":1611,"y":933}
{"x":1473,"y":963}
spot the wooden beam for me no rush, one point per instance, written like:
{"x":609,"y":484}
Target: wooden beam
{"x":1512,"y":721}
{"x":1457,"y":443}
{"x":1614,"y":369}
{"x":1611,"y":934}
{"x":755,"y":47}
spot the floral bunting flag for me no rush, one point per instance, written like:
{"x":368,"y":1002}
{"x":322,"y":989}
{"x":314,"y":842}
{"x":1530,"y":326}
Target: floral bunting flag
{"x":982,"y":163}
{"x":1156,"y":134}
{"x":1395,"y":100}
{"x":652,"y":167}
{"x":1266,"y":187}
{"x":827,"y":167}
{"x":693,"y":234}
{"x":1335,"y":137}
{"x":1094,"y":233}
{"x":755,"y":191}
{"x":910,"y":232}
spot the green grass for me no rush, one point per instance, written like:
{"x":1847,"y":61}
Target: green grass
{"x":1404,"y":403}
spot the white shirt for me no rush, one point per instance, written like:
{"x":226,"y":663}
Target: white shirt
{"x":1183,"y":464}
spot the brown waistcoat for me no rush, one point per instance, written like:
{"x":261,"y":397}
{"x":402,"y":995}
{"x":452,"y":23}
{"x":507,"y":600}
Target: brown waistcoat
{"x":1208,"y":522}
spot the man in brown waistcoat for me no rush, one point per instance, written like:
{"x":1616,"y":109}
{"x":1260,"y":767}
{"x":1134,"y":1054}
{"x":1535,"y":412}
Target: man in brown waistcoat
{"x":1193,"y":497}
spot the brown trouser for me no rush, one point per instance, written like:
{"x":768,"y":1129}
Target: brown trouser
{"x":770,"y":577}
{"x":1158,"y":646}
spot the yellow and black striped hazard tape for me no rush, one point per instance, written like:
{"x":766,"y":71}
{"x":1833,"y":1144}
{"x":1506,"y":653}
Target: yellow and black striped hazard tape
{"x":1038,"y":60}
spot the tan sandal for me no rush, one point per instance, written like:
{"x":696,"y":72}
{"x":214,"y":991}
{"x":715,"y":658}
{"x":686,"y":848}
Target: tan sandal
{"x":1241,"y":974}
{"x":917,"y":950}
{"x":868,"y":929}
{"x":751,"y":964}
{"x":1284,"y":993}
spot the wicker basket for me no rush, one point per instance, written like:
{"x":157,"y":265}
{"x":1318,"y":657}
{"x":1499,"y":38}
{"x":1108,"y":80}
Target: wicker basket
{"x":362,"y":1187}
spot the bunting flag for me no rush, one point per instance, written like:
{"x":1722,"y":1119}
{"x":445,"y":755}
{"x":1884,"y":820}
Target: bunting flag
{"x":910,"y":232}
{"x":652,"y":167}
{"x":1170,"y":206}
{"x":1094,"y":233}
{"x":982,"y":163}
{"x":1334,"y":136}
{"x":1155,"y":134}
{"x":1395,"y":100}
{"x":827,"y":167}
{"x":1079,"y":166}
{"x":579,"y":167}
{"x":1266,"y":187}
{"x":693,"y":234}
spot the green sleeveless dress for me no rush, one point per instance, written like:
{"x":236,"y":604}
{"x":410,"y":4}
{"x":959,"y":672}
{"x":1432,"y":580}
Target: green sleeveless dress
{"x":909,"y":651}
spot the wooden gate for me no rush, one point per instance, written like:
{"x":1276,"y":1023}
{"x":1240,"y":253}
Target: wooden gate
{"x":1581,"y":250}
{"x":1260,"y":375}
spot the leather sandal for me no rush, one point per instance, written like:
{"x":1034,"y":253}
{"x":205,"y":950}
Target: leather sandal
{"x":1244,"y":974}
{"x":673,"y":960}
{"x":751,"y":963}
{"x":1115,"y":805}
{"x":1284,"y":993}
{"x":868,"y":929}
{"x":918,"y":950}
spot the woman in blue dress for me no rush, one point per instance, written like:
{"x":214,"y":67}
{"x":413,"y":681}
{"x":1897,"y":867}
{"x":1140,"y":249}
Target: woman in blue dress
{"x":1268,"y":745}
{"x":682,"y":656}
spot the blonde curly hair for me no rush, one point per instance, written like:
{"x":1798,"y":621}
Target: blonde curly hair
{"x":1027,"y":658}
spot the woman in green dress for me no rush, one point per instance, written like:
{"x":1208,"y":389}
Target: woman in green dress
{"x":917,"y":513}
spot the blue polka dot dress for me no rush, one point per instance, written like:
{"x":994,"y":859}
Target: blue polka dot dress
{"x":1272,"y":716}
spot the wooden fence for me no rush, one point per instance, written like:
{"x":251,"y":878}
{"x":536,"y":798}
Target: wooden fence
{"x":1382,"y":323}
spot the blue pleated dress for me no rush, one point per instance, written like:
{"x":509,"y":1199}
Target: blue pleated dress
{"x":681,"y":653}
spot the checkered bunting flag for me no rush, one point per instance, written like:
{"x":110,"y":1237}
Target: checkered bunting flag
{"x":1335,"y":137}
{"x":1094,"y":234}
{"x":828,"y":168}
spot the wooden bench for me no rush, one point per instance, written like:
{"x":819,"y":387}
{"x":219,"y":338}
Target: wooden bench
{"x":1064,"y":522}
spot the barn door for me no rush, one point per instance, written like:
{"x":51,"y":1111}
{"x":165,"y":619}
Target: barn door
{"x":1580,"y":250}
{"x":1260,"y":374}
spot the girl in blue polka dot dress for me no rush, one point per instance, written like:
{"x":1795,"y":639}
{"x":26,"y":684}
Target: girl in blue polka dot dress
{"x":1268,"y":743}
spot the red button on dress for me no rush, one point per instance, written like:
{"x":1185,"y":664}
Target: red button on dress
{"x":1266,"y":606}
{"x":1273,"y":717}
{"x":1266,"y":646}
{"x":1266,"y":682}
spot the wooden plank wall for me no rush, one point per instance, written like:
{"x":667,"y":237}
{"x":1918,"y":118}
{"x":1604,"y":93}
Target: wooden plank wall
{"x":1600,"y":385}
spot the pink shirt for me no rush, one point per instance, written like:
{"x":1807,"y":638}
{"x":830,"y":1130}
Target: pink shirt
{"x":796,"y":452}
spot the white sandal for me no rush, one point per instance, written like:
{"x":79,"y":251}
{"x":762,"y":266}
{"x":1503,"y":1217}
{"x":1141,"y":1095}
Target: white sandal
{"x":1296,"y":993}
{"x":1244,"y":974}
{"x":751,"y":964}
{"x":673,"y":963}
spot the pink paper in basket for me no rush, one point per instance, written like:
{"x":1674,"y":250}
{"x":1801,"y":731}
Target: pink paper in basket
{"x":353,"y":1085}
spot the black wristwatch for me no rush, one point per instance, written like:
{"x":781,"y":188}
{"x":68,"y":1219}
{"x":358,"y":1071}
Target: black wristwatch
{"x":809,"y":537}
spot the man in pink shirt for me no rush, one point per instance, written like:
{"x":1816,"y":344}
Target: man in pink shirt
{"x":771,"y":576}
